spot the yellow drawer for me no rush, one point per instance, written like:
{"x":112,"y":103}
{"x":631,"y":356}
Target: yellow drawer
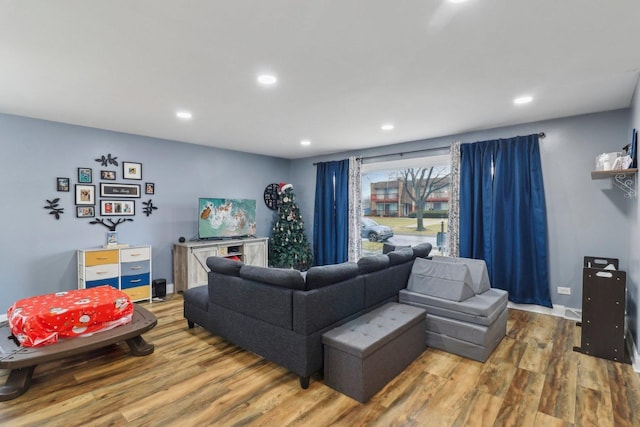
{"x":135,"y":254}
{"x":138,"y":293}
{"x":101,"y":257}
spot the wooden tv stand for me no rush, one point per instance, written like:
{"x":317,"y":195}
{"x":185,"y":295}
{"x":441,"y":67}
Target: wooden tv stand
{"x":190,"y":258}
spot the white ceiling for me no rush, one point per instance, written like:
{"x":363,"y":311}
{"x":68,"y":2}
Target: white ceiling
{"x":345,"y":67}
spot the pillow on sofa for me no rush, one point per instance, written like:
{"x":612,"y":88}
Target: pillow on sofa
{"x":400,"y":256}
{"x":320,"y":276}
{"x":226,"y":266}
{"x":283,"y":277}
{"x":445,"y":280}
{"x":477,"y":269}
{"x":372,"y":263}
{"x":422,"y":250}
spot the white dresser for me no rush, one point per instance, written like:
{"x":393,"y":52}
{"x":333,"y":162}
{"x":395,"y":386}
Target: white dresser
{"x":127,"y":269}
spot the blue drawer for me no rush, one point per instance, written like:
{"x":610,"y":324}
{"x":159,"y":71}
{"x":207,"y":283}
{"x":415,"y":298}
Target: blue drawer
{"x":134,"y":281}
{"x":135,"y":268}
{"x":113,"y":281}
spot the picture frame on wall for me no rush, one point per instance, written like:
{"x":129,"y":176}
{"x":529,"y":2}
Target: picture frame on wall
{"x":131,"y":170}
{"x":84,"y":175}
{"x":62,"y":184}
{"x":108,"y":175}
{"x":119,"y":190}
{"x":117,"y":207}
{"x":85,"y":211}
{"x":112,"y":238}
{"x":149,"y":188}
{"x":85,"y":194}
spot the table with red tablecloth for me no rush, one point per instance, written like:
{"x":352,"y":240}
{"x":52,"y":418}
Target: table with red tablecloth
{"x":43,"y":319}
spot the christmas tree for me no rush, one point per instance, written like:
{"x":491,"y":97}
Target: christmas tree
{"x":288,"y":247}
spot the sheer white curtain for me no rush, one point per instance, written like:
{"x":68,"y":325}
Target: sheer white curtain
{"x":454,"y":201}
{"x":355,"y":198}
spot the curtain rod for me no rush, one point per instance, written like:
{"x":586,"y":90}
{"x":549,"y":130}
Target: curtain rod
{"x":402,"y":153}
{"x":541,"y":135}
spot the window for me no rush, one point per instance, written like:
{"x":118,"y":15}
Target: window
{"x":405,"y":202}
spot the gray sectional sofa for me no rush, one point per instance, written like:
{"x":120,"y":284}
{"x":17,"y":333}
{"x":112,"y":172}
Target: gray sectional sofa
{"x":281,"y":314}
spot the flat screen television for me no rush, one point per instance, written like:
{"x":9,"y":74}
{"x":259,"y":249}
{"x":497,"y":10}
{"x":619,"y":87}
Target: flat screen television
{"x":225,"y":218}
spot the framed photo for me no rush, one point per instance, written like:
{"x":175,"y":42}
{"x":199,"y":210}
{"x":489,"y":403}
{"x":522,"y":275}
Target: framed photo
{"x":108,"y":175}
{"x":84,"y":175}
{"x":85,"y":194}
{"x":112,"y":238}
{"x":131,"y":170}
{"x":117,"y":207}
{"x":119,"y":190}
{"x":85,"y":211}
{"x":149,"y":188}
{"x":62,"y":184}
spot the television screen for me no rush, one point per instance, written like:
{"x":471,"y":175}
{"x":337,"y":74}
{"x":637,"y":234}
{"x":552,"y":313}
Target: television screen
{"x":219,"y":218}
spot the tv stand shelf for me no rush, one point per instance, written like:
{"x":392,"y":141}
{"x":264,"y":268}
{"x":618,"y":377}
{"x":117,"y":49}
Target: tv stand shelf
{"x":190,"y":258}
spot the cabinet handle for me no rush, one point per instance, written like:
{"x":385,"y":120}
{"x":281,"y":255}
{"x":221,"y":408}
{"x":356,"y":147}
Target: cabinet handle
{"x":136,"y":281}
{"x":101,"y":272}
{"x":102,"y":257}
{"x":136,"y":267}
{"x":135,"y":254}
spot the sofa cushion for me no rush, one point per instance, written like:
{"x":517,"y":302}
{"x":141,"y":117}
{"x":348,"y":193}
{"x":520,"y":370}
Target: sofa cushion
{"x":400,"y":256}
{"x":224,"y":265}
{"x":422,"y":250}
{"x":477,"y":269}
{"x":283,"y":277}
{"x":388,"y":247}
{"x":321,"y":276}
{"x":446,"y":280}
{"x":372,"y":263}
{"x":482,"y":309}
{"x":198,"y":296}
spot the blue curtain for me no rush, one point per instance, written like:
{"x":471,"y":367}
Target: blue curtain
{"x":503,"y":216}
{"x":330,"y":221}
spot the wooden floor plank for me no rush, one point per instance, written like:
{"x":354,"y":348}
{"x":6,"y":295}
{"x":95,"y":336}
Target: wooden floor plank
{"x":593,"y":408}
{"x":195,"y":378}
{"x":520,"y":405}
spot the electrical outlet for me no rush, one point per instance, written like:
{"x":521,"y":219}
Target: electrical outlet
{"x":564,"y":291}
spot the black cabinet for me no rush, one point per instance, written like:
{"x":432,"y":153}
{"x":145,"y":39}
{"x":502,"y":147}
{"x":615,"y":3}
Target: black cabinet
{"x":603,"y":309}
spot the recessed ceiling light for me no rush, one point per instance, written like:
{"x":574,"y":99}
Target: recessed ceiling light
{"x":457,"y":1}
{"x":267,"y":79}
{"x":305,"y":142}
{"x":523,"y":100}
{"x":387,"y":126}
{"x":185,"y":115}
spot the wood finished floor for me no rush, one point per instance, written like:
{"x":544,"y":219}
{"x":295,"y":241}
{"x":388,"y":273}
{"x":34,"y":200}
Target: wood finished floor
{"x":193,"y":378}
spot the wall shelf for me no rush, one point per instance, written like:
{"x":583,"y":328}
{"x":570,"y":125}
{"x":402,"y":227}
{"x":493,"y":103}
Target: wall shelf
{"x":622,"y":178}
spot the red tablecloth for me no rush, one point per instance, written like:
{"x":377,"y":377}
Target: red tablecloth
{"x":43,"y":319}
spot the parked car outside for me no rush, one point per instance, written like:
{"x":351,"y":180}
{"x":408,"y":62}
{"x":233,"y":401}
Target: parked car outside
{"x":374,"y":231}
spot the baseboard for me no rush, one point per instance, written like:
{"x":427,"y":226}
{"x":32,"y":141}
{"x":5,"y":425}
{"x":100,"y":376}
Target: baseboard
{"x":633,"y":350}
{"x":557,"y":310}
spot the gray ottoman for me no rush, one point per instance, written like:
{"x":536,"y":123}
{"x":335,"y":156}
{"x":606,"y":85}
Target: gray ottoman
{"x":363,"y":355}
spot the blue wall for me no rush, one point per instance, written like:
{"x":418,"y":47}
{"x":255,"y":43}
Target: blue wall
{"x":585,"y":216}
{"x":38,"y":252}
